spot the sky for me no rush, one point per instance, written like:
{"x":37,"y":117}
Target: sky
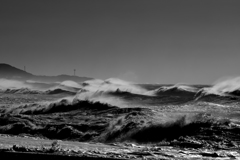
{"x":146,"y":41}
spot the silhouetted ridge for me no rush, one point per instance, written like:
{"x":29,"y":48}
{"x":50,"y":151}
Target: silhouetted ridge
{"x":8,"y":71}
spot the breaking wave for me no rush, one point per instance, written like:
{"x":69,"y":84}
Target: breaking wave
{"x":88,"y":121}
{"x":198,"y":125}
{"x":23,"y":91}
{"x":230,"y":86}
{"x":176,"y":90}
{"x":112,"y":84}
{"x":117,"y":111}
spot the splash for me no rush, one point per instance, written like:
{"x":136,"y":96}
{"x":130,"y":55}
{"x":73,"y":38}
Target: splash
{"x":179,"y":87}
{"x":113,"y":84}
{"x":100,"y":96}
{"x":101,"y":91}
{"x":226,"y":86}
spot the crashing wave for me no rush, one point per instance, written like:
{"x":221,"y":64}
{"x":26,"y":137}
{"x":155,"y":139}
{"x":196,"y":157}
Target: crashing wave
{"x":176,"y":90}
{"x":206,"y":93}
{"x":63,"y":105}
{"x":59,"y":91}
{"x":227,"y":87}
{"x":113,"y":124}
{"x":112,"y":85}
{"x":23,"y":91}
{"x":69,"y":87}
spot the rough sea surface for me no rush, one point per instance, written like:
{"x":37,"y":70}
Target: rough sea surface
{"x":149,"y":120}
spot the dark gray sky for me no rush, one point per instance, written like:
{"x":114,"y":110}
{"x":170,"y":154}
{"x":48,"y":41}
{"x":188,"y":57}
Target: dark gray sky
{"x":155,"y":41}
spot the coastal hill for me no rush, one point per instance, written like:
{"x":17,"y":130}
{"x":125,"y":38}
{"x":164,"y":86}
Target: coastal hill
{"x":10,"y":72}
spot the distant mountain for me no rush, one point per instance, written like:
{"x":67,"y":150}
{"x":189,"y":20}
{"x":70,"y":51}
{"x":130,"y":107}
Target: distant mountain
{"x":10,"y":72}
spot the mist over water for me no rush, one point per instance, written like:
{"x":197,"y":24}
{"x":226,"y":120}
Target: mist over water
{"x":8,"y":83}
{"x":70,"y":84}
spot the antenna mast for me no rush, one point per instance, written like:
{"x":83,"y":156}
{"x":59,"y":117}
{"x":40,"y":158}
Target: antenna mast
{"x":74,"y":71}
{"x":25,"y":68}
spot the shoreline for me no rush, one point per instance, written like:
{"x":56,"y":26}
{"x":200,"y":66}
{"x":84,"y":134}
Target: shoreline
{"x":41,"y":156}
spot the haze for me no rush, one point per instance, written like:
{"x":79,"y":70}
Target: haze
{"x":150,"y":41}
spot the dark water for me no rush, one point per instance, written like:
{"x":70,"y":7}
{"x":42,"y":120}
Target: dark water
{"x":192,"y":116}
